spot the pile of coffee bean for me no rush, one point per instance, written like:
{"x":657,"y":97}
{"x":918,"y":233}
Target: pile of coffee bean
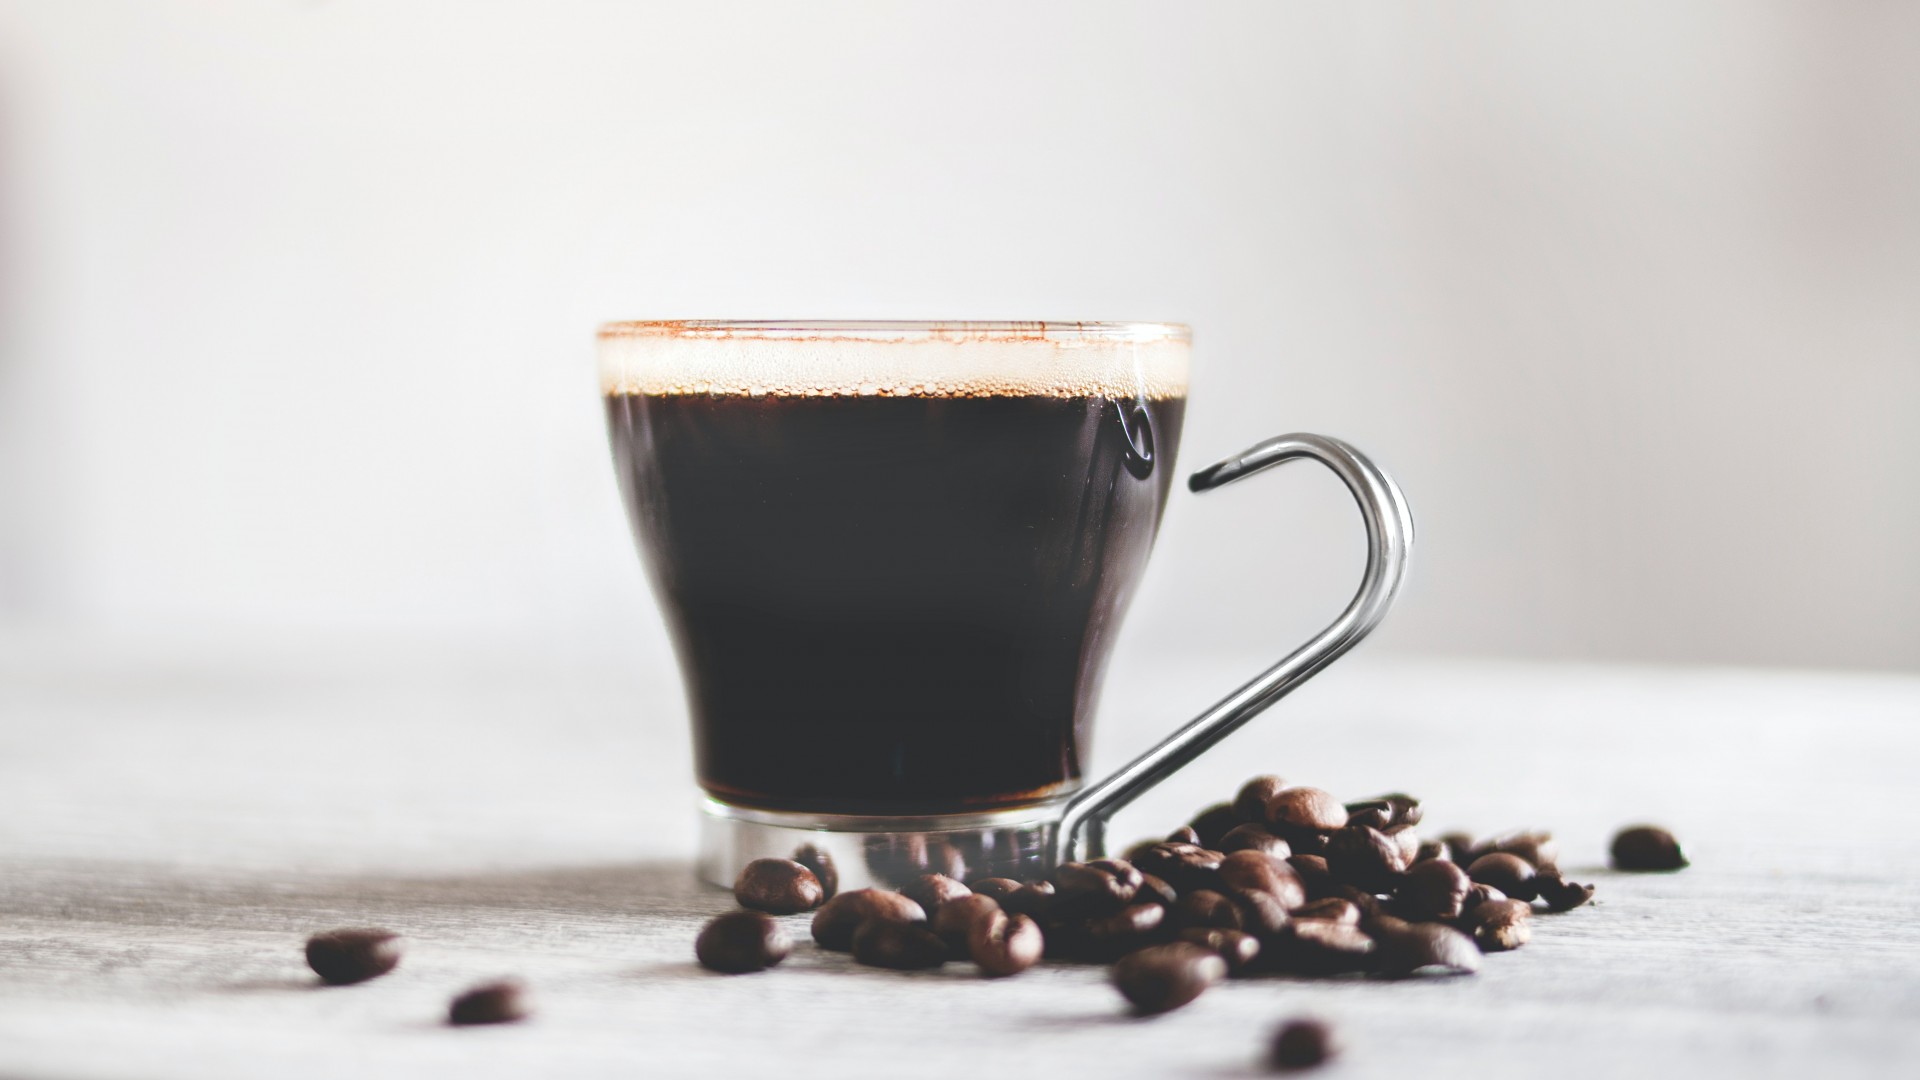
{"x":1282,"y":879}
{"x":346,"y":957}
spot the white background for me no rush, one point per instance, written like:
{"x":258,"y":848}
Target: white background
{"x":299,"y":298}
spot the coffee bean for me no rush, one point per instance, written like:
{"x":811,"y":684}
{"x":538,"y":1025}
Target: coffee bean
{"x":1365,"y":858}
{"x":1083,"y":890}
{"x":1263,"y":873}
{"x":1155,"y":891}
{"x":1213,"y":823}
{"x":1204,"y":908}
{"x":1251,"y":837}
{"x":1538,"y":848}
{"x":957,"y":917}
{"x":1238,"y":948}
{"x":1164,"y":977}
{"x":1317,"y":947}
{"x":1261,"y":913}
{"x":817,"y":860}
{"x":344,"y":957}
{"x":778,"y":887}
{"x":1511,"y":874}
{"x":1003,"y":944}
{"x":1110,"y":937}
{"x":500,"y":1002}
{"x":1479,"y":893}
{"x":1302,"y":1044}
{"x":1401,"y":809}
{"x":741,"y":941}
{"x":1313,"y":873}
{"x":1133,"y":853}
{"x":1408,"y":841}
{"x":1368,"y":903}
{"x":834,"y":924}
{"x":1184,"y":835}
{"x":1297,"y":810}
{"x":1374,"y":815}
{"x":1034,"y":900}
{"x":1251,"y":801}
{"x":1431,"y":850}
{"x":1465,"y":849}
{"x":997,"y":887}
{"x":1186,"y":867}
{"x":1404,"y":949}
{"x":1500,"y":925}
{"x":1559,"y":894}
{"x":1331,"y":909}
{"x":1647,"y":848}
{"x":1431,"y":891}
{"x":930,"y":891}
{"x":903,"y":946}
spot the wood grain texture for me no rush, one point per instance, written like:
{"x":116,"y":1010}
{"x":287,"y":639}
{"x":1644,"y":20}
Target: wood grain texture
{"x":172,"y":827}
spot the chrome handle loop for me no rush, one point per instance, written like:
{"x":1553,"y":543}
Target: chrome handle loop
{"x":1389,"y":543}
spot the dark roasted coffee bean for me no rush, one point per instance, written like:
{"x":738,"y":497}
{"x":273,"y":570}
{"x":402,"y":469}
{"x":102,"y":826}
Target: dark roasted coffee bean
{"x":1251,"y":801}
{"x":1374,"y":815}
{"x":1431,"y":850}
{"x":1164,"y":977}
{"x":1133,"y":853}
{"x":1296,"y":811}
{"x":1401,"y":809}
{"x":1110,"y":937}
{"x":1559,"y":894}
{"x":1005,"y":944}
{"x":1317,"y":947}
{"x":1238,"y":948}
{"x":1261,"y":912}
{"x":836,"y":921}
{"x":1155,"y":891}
{"x":1368,"y":903}
{"x":741,"y":941}
{"x":1186,"y":867}
{"x":904,"y":946}
{"x":1204,"y":908}
{"x":1463,"y":846}
{"x":957,"y":917}
{"x":1408,"y":842}
{"x":1432,"y":891}
{"x":817,"y":860}
{"x":1538,"y":848}
{"x":1416,"y":948}
{"x":997,"y":887}
{"x":1034,"y":900}
{"x":1309,"y":843}
{"x":1251,"y":837}
{"x":1479,"y":893}
{"x":1313,"y":873}
{"x":930,"y":891}
{"x":778,"y":887}
{"x":500,"y":1002}
{"x":343,"y":957}
{"x":1511,"y":874}
{"x":1331,"y":909}
{"x":1302,"y":1044}
{"x":1184,"y":835}
{"x":1256,"y":872}
{"x":1083,"y":890}
{"x":1365,"y":858}
{"x":1500,"y":925}
{"x":1647,"y":848}
{"x":1212,"y":823}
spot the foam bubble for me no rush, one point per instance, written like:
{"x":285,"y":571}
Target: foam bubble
{"x":851,"y":359}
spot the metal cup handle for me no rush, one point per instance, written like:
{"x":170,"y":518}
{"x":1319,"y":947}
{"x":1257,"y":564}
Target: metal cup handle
{"x":1389,"y":524}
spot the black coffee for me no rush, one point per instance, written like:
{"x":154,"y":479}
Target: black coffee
{"x":893,"y":604}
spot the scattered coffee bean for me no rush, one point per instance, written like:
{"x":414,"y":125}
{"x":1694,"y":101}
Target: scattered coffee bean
{"x":1463,"y":847}
{"x":1400,"y":809}
{"x":1238,"y":948}
{"x":1313,"y":873}
{"x":903,"y":946}
{"x":1511,"y":874}
{"x":1368,"y":903}
{"x":1213,"y":823}
{"x":500,"y":1002}
{"x":930,"y":891}
{"x":1184,"y":835}
{"x":1204,"y":909}
{"x":1251,"y":801}
{"x":741,"y":941}
{"x":1155,"y":891}
{"x":955,"y":920}
{"x":1374,"y":815}
{"x":817,"y":860}
{"x":1093,"y":888}
{"x":1034,"y":900}
{"x":1408,"y":842}
{"x":1186,"y":867}
{"x":778,"y":887}
{"x":1538,"y":848}
{"x":1302,"y":1044}
{"x":1559,"y":894}
{"x":1003,"y":944}
{"x":1404,"y":949}
{"x":1258,"y":872}
{"x":1433,"y":849}
{"x":834,"y":924}
{"x":1297,"y":810}
{"x":344,"y":957}
{"x":1479,"y":893}
{"x":1317,"y":947}
{"x":997,"y":887}
{"x":1110,"y":937}
{"x":1164,"y":977}
{"x":1251,"y":837}
{"x":1365,"y":858}
{"x":1647,"y":848}
{"x":1432,"y":890}
{"x":1261,"y":913}
{"x":1331,"y":909}
{"x":1500,"y":925}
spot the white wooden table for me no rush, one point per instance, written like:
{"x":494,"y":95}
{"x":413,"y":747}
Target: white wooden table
{"x":173,"y":824}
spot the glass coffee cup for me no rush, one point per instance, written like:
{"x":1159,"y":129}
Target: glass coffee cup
{"x":893,"y":557}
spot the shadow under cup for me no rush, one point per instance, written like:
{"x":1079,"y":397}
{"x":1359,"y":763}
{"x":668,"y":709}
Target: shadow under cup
{"x":892,"y":557}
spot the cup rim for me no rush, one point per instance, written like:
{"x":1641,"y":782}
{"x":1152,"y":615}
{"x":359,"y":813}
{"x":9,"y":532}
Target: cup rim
{"x":898,"y":329}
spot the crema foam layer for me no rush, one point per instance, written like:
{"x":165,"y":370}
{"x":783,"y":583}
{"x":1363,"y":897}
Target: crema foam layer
{"x":942,"y":360}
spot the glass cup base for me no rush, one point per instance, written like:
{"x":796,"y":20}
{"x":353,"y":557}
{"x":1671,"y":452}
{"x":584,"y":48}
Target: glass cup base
{"x":880,"y":852}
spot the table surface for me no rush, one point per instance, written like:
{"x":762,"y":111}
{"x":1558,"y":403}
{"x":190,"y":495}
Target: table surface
{"x":174,"y":821}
